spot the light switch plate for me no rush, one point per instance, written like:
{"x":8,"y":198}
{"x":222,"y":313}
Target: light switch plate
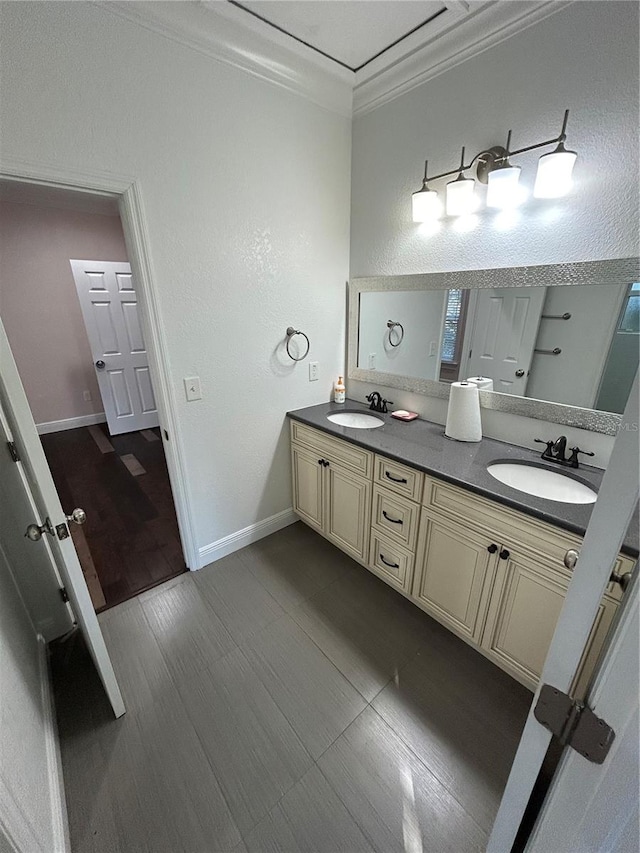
{"x":192,"y":388}
{"x":372,"y":361}
{"x":432,"y":348}
{"x":313,"y":371}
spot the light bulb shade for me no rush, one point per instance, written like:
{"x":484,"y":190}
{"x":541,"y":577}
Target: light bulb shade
{"x":426,"y":205}
{"x":461,"y":198}
{"x":503,"y":187}
{"x":553,"y":178}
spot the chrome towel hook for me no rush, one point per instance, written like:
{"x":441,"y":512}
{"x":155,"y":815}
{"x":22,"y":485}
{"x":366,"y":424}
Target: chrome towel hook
{"x":290,"y":334}
{"x":391,"y":325}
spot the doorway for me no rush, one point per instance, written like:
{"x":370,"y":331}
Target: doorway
{"x":117,"y":471}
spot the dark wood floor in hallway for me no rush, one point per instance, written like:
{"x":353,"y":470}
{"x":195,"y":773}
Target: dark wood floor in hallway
{"x":122,"y":483}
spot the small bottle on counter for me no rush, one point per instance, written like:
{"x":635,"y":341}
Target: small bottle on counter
{"x":339,"y":391}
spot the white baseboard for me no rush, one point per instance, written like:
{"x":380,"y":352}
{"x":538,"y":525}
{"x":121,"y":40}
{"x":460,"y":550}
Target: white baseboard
{"x":235,"y":541}
{"x":59,"y":821}
{"x":71,"y":423}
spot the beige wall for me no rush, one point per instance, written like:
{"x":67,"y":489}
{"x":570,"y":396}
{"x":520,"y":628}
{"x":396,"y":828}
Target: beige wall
{"x":39,"y":305}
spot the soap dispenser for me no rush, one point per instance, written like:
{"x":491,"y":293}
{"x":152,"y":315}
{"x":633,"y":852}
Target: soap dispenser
{"x":339,"y":391}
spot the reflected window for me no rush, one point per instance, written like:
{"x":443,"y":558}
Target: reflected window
{"x":630,"y":320}
{"x":454,"y":323}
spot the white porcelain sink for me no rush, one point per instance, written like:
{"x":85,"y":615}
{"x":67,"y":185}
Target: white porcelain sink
{"x":542,"y":483}
{"x":355,"y":420}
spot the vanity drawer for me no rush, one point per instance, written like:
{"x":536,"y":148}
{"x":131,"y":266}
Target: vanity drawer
{"x":391,"y":561}
{"x":398,"y":477}
{"x":395,"y":517}
{"x":334,"y":449}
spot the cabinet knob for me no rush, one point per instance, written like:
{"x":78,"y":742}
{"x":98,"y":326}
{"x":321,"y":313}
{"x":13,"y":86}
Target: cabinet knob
{"x":492,"y":548}
{"x":504,"y":554}
{"x":571,"y":558}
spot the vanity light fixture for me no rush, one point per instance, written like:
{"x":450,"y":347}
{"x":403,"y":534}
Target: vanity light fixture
{"x":553,"y":179}
{"x":461,"y":198}
{"x":426,"y":204}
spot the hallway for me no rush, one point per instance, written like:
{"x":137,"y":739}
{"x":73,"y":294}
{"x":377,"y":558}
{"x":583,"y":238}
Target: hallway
{"x":121,"y":482}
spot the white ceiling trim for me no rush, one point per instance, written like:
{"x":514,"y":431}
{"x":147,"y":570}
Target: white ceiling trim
{"x":193,"y":25}
{"x":231,"y":36}
{"x":481,"y":29}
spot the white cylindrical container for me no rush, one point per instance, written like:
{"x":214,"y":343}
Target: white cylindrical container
{"x":482,"y":383}
{"x":463,"y":414}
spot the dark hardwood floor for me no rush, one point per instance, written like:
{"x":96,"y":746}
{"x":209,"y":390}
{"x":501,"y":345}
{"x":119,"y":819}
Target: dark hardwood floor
{"x":131,"y":526}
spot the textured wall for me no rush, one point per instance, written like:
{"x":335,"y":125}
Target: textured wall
{"x":246,"y":195}
{"x":39,"y":303}
{"x":584,"y":58}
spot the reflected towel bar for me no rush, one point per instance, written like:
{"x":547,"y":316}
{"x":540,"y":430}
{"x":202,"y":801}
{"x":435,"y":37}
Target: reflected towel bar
{"x":555,"y":351}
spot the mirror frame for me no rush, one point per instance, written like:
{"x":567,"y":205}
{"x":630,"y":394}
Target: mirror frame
{"x":605,"y":272}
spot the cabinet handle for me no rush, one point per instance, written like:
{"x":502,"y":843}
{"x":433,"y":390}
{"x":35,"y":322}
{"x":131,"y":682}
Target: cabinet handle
{"x":394,"y":479}
{"x":492,"y":548}
{"x":320,"y":461}
{"x":391,"y":565}
{"x":392,"y":520}
{"x":323,"y":462}
{"x":504,"y":554}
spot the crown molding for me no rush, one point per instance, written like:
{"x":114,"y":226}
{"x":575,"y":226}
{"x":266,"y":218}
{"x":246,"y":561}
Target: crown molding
{"x":202,"y":27}
{"x":485,"y":25}
{"x":223,"y":32}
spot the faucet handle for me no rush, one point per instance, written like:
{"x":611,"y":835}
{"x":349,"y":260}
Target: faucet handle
{"x":573,"y":459}
{"x":384,"y":406}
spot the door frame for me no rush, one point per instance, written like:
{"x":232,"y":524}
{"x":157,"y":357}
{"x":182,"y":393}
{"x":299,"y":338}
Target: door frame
{"x":129,"y":195}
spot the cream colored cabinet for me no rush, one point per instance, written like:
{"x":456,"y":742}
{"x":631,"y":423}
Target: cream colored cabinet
{"x":489,"y":573}
{"x":330,"y":492}
{"x":453,"y":574}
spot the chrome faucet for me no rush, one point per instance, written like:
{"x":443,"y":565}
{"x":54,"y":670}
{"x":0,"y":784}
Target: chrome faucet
{"x":378,"y":404}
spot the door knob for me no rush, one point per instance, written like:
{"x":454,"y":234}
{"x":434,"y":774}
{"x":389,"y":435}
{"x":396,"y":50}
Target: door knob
{"x":78,"y":516}
{"x":100,"y":364}
{"x":34,"y":531}
{"x":520,"y":373}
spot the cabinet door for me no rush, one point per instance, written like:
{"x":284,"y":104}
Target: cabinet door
{"x":453,"y":574}
{"x":307,"y":486}
{"x":525,"y":606}
{"x":347,"y":510}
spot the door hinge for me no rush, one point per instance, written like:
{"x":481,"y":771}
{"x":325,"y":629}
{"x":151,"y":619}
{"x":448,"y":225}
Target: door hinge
{"x":574,"y":724}
{"x":13,"y":451}
{"x":63,"y":594}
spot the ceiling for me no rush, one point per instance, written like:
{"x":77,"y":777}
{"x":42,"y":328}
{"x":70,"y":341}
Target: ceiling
{"x":351,"y":32}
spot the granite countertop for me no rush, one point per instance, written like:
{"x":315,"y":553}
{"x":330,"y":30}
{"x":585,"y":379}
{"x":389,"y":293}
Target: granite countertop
{"x":423,"y":445}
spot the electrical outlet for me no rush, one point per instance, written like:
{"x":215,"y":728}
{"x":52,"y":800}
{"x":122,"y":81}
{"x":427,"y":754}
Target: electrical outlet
{"x":372,"y":361}
{"x":313,"y":371}
{"x":432,"y":348}
{"x":192,"y":388}
{"x":86,"y":396}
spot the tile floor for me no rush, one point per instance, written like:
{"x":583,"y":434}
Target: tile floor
{"x":284,"y":699}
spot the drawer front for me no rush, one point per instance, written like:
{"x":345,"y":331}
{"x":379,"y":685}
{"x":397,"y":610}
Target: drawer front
{"x":395,"y":517}
{"x":391,"y":561}
{"x":399,"y":478}
{"x":333,"y":449}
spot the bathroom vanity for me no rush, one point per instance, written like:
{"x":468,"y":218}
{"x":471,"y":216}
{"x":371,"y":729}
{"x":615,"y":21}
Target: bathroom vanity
{"x":423,"y":514}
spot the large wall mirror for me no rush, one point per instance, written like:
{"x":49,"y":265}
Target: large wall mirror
{"x":558,"y":342}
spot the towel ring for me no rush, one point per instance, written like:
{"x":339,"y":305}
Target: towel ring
{"x":391,"y":325}
{"x":290,"y":333}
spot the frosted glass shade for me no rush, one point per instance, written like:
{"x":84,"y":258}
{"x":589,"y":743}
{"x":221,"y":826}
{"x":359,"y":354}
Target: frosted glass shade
{"x":503,"y":190}
{"x":553,"y":178}
{"x":426,"y":205}
{"x":460,"y":197}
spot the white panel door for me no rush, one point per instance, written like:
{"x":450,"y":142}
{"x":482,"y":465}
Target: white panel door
{"x":110,"y":309}
{"x":504,"y":335}
{"x":42,"y":492}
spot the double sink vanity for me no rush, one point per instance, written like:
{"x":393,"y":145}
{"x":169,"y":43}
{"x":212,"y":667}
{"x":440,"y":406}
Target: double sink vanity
{"x":439,"y":521}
